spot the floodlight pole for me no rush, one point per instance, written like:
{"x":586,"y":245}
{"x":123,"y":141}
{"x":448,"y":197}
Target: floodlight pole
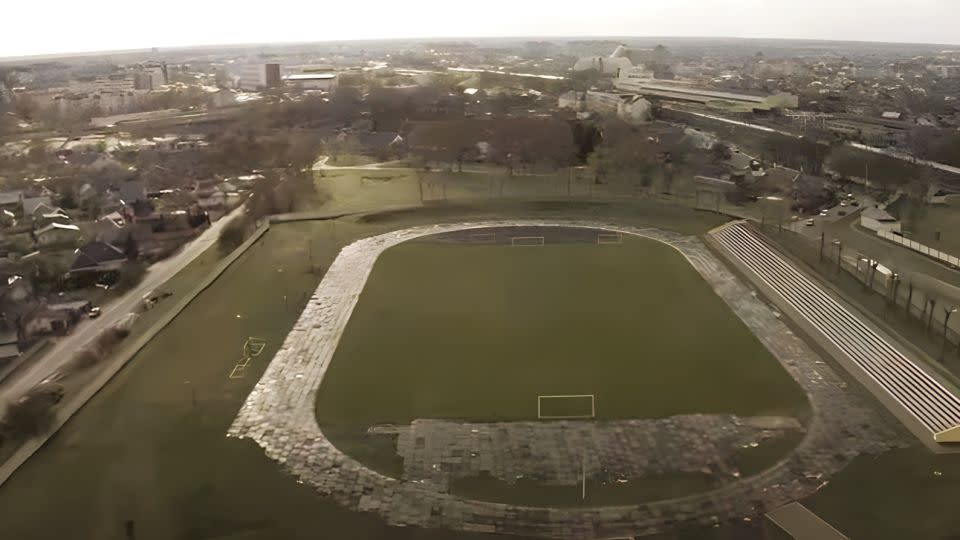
{"x":946,"y":318}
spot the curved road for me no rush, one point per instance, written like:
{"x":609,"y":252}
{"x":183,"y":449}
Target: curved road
{"x":113,"y":312}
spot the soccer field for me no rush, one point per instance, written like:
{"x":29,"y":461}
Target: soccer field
{"x":478,"y":332}
{"x":151,"y":447}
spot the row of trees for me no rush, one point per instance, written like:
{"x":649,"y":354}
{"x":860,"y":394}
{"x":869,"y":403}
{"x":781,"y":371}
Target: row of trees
{"x":514,"y":142}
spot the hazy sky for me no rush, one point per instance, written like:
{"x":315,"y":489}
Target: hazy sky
{"x":52,"y":26}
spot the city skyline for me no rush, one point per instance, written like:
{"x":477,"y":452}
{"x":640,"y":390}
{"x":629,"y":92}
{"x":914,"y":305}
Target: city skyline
{"x":186,"y":24}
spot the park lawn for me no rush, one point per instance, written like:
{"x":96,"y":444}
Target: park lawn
{"x":359,"y":190}
{"x":478,"y":332}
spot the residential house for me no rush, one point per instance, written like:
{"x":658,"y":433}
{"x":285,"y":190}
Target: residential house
{"x":15,"y":288}
{"x":57,"y":233}
{"x":97,"y":257}
{"x":111,"y":228}
{"x":7,"y":218}
{"x":29,"y":204}
{"x":133,"y":190}
{"x":44,"y":215}
{"x":11,"y":200}
{"x":45,"y":321}
{"x":876,"y":219}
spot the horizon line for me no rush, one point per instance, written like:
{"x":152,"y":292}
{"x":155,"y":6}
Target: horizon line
{"x":611,"y":37}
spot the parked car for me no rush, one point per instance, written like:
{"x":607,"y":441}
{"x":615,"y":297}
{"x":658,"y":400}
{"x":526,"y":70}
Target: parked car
{"x":94,"y":312}
{"x":824,"y":212}
{"x":810,"y":222}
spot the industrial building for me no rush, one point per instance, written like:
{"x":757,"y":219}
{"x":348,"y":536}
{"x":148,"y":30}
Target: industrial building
{"x":313,"y":81}
{"x":258,"y":76}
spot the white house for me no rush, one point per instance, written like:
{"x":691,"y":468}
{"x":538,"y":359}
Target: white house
{"x":616,"y":63}
{"x":876,"y":219}
{"x":58,"y":233}
{"x":635,"y":110}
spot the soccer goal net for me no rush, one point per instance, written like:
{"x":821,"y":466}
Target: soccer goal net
{"x":609,"y":238}
{"x":483,"y":238}
{"x":566,"y":407}
{"x":526,"y":241}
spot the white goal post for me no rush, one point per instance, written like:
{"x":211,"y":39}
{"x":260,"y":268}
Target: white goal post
{"x":484,"y":238}
{"x":584,"y":397}
{"x":526,"y":241}
{"x":609,"y":238}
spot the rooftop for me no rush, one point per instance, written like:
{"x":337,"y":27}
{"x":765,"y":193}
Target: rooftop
{"x":94,"y":254}
{"x":877,"y":214}
{"x":310,"y":76}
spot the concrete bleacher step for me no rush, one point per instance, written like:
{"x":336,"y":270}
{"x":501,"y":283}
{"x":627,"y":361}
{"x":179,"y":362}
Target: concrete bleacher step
{"x":915,"y":390}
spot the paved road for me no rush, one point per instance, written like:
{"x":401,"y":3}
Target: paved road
{"x":900,"y":259}
{"x":113,"y":312}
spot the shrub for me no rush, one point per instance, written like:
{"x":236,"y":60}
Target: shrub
{"x":130,"y":276}
{"x":87,"y":358}
{"x":234,"y":233}
{"x":32,"y":414}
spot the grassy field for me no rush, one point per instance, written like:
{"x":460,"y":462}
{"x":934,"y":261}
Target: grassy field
{"x":478,"y":332}
{"x":359,"y":189}
{"x":151,"y":448}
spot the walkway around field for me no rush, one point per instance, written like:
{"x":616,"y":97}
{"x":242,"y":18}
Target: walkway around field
{"x":279,"y":416}
{"x":802,"y":524}
{"x":935,"y":406}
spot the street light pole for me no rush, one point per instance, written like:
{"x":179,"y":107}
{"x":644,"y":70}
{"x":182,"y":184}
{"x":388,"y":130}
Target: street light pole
{"x":909,"y":300}
{"x":896,"y":285}
{"x":946,"y":317}
{"x":873,"y":271}
{"x":839,"y":253}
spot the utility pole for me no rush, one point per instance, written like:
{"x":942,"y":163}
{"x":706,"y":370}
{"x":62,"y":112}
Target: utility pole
{"x":837,"y":243}
{"x":896,"y":286}
{"x":873,"y":272}
{"x":947,"y":312}
{"x":821,"y":246}
{"x":909,"y":300}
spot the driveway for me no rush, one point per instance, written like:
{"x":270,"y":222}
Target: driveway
{"x":113,"y":312}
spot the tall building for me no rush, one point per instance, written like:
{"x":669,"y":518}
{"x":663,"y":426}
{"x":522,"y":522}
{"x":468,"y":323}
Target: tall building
{"x":112,"y":83}
{"x":150,"y":76}
{"x":258,"y":76}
